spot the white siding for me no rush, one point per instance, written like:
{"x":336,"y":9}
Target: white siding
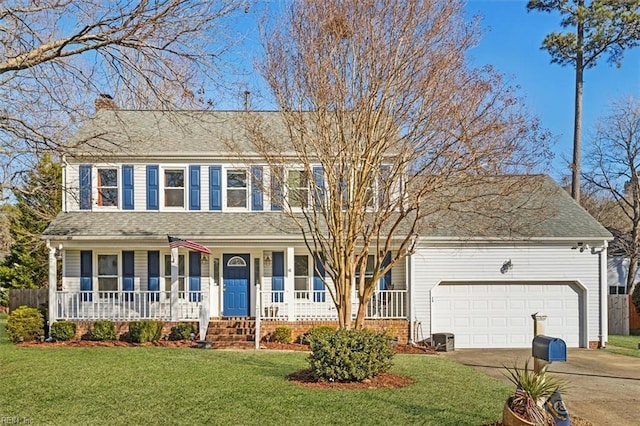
{"x":139,"y":188}
{"x":140,"y":270}
{"x":73,"y":187}
{"x":482,"y":264}
{"x":71,"y":272}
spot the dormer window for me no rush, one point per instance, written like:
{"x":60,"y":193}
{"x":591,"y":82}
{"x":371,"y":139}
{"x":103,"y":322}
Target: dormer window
{"x":107,"y":187}
{"x":237,"y":188}
{"x":174,"y":188}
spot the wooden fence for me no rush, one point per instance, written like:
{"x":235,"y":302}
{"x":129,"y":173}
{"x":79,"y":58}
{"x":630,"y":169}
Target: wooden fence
{"x":618,"y":307}
{"x":32,"y":297}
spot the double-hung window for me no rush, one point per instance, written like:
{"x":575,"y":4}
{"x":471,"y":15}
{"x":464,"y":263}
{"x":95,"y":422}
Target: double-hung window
{"x":301,"y":276}
{"x":174,"y":188}
{"x":108,"y":275}
{"x":181,"y":275}
{"x":298,"y":187}
{"x":237,"y":188}
{"x":107,"y":186}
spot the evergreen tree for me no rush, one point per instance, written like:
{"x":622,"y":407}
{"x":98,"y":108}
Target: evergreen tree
{"x":38,"y":201}
{"x":602,"y":27}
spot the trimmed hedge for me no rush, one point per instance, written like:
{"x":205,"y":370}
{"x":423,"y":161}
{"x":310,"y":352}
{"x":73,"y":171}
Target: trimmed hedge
{"x":182,"y":331}
{"x":349,"y":355}
{"x":145,"y":331}
{"x":103,"y":330}
{"x":63,"y":330}
{"x":282,"y":334}
{"x":25,"y":324}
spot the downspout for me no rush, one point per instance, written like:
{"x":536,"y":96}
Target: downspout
{"x":604,"y":332}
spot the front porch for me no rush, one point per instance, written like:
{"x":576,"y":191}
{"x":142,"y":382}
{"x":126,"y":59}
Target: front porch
{"x":285,"y":306}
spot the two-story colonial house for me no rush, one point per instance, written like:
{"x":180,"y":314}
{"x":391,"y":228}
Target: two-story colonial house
{"x":134,"y":178}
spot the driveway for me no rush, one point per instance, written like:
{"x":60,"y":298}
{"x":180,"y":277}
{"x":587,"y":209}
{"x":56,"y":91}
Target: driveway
{"x":604,"y":388}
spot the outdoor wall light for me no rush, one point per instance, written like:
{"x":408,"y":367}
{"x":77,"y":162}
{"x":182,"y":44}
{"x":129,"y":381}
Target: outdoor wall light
{"x":267,"y":258}
{"x":506,"y":266}
{"x":581,"y":246}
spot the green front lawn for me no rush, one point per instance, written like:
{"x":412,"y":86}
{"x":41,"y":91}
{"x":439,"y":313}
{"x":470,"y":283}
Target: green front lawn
{"x":154,"y":385}
{"x":624,"y":345}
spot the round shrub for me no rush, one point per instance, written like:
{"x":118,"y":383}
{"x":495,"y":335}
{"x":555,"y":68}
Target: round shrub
{"x":63,"y":330}
{"x":103,"y":330}
{"x":25,"y":324}
{"x":350,"y":355}
{"x":316,"y":332}
{"x":282,"y":335}
{"x":182,"y":331}
{"x":145,"y":331}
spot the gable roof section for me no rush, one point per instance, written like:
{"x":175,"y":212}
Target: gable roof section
{"x":509,"y":207}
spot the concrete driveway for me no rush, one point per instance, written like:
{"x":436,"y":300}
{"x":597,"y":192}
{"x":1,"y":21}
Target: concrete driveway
{"x":604,"y":388}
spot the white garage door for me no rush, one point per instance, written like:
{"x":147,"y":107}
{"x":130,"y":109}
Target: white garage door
{"x":498,"y":315}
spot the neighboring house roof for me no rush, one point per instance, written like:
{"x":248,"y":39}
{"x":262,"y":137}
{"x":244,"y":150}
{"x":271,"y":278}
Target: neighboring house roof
{"x":535,"y":207}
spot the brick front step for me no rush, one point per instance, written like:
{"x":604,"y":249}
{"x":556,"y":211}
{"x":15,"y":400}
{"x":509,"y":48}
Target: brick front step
{"x":231,"y":333}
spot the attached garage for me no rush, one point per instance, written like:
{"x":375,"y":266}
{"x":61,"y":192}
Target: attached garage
{"x":498,"y":314}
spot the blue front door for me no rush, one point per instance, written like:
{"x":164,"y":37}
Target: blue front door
{"x":235,"y":278}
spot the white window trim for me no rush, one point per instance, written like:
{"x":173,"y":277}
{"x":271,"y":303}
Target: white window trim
{"x":162,"y":186}
{"x":95,"y":170}
{"x":96,"y":261}
{"x":247,"y":188}
{"x":309,"y":278}
{"x":287,"y":189}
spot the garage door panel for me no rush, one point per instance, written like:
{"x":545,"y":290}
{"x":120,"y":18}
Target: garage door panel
{"x":499,"y":315}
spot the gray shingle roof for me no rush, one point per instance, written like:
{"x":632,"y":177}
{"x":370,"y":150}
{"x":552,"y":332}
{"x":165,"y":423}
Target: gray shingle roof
{"x":533,"y":207}
{"x":505,"y":207}
{"x":198,"y":134}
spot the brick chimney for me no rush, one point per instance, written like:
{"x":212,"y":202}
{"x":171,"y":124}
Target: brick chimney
{"x":105,"y":101}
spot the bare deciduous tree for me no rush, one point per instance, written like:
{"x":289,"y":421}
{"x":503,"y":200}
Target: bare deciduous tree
{"x":380,"y":95}
{"x":612,"y":173}
{"x":56,"y":54}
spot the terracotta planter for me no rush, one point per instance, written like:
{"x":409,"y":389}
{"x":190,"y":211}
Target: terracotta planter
{"x":509,"y":418}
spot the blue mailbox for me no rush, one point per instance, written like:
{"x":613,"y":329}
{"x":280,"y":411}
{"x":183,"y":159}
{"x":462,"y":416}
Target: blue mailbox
{"x":549,"y":348}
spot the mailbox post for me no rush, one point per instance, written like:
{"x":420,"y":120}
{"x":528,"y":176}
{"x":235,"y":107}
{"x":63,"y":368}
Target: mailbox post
{"x":538,"y":329}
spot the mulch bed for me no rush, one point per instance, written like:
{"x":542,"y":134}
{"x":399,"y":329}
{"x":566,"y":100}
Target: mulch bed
{"x":384,"y":380}
{"x":112,"y":343}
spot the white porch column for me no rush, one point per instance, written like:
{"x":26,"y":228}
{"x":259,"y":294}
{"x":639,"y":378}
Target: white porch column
{"x":289,"y":284}
{"x":174,"y":284}
{"x":204,"y":314}
{"x":53,"y":283}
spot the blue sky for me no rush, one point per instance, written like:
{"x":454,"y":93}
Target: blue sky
{"x":511,"y":42}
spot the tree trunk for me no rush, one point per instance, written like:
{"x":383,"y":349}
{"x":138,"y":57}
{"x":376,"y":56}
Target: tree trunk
{"x":362,"y":313}
{"x":577,"y":122}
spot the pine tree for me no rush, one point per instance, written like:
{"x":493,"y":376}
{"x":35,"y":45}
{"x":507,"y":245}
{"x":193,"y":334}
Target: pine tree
{"x":38,"y":201}
{"x":601,"y":27}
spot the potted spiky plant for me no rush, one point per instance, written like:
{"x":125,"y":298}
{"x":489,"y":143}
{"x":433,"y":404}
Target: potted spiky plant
{"x":526,"y":406}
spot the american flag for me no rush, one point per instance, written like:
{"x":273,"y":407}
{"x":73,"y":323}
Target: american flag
{"x":179,"y":242}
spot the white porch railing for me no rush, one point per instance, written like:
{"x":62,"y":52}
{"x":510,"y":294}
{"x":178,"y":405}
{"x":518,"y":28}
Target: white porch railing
{"x":125,"y":305}
{"x":317,"y":305}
